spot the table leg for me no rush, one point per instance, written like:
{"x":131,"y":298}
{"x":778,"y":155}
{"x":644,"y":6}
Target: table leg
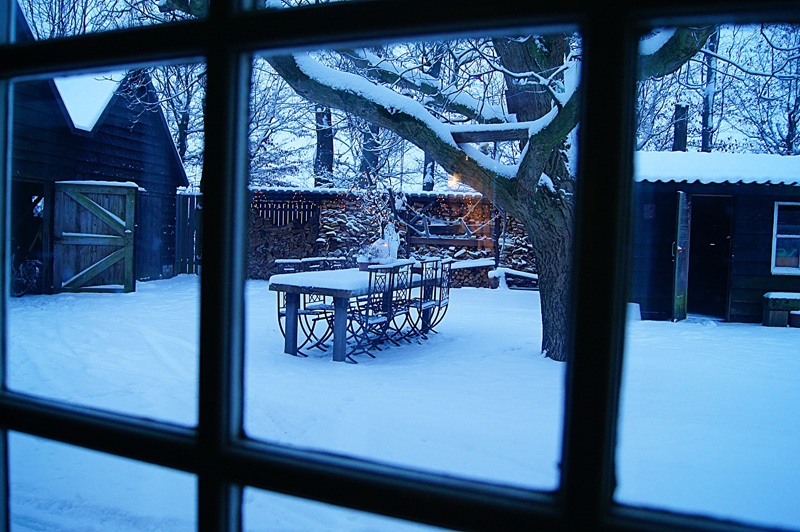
{"x":292,"y":306}
{"x":339,"y":328}
{"x":427,"y":295}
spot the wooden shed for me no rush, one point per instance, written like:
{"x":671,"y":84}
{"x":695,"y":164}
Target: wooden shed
{"x":714,"y":232}
{"x":126,"y":141}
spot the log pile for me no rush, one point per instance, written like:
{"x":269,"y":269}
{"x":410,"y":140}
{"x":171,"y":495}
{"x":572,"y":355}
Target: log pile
{"x":455,"y":252}
{"x":268,"y":242}
{"x":515,"y":281}
{"x":517,"y":251}
{"x":344,"y":228}
{"x":347,"y":224}
{"x":477,"y":277}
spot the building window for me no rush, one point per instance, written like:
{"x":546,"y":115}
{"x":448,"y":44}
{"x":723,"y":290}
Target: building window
{"x":786,"y":239}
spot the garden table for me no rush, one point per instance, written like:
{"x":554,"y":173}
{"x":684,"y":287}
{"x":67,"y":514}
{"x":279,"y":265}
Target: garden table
{"x":341,"y":285}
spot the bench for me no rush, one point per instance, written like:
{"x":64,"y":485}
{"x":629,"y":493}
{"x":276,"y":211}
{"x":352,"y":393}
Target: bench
{"x":777,"y":306}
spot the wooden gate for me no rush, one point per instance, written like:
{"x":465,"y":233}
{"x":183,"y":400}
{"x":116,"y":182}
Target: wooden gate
{"x":188,"y":233}
{"x":93,"y":237}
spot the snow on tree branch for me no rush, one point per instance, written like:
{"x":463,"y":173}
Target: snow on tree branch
{"x":447,"y":96}
{"x":684,"y":43}
{"x":387,"y":109}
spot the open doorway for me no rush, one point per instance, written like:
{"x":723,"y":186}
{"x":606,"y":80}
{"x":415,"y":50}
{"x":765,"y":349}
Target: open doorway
{"x":710,"y":256}
{"x":27,"y":244}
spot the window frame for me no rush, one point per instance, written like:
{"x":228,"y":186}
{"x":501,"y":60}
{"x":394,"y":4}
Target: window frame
{"x":781,"y":270}
{"x":215,"y":451}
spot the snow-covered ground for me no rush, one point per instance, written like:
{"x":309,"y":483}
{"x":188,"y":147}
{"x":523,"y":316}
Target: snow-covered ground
{"x":709,"y":418}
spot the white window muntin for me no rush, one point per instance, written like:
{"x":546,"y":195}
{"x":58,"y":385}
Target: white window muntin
{"x":778,"y":266}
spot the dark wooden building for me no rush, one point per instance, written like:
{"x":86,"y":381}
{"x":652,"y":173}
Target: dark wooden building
{"x":128,"y":142}
{"x":713,"y":233}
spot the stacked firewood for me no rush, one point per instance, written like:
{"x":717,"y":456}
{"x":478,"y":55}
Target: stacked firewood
{"x":344,"y":228}
{"x":517,"y":253}
{"x":477,"y":277}
{"x":455,"y":252}
{"x":346,"y":225}
{"x":268,"y":242}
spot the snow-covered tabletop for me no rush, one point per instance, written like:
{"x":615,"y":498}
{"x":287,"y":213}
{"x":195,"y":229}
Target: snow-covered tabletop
{"x":337,"y":283}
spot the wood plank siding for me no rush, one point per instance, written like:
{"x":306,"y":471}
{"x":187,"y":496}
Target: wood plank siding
{"x":129,"y":143}
{"x":654,"y":211}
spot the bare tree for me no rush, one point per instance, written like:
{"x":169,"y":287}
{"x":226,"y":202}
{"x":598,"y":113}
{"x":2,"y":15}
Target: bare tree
{"x":742,"y":92}
{"x":767,"y":98}
{"x":532,"y":76}
{"x":486,"y":81}
{"x":278,"y":131}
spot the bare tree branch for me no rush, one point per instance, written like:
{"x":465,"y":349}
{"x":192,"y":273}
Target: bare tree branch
{"x":683,"y":44}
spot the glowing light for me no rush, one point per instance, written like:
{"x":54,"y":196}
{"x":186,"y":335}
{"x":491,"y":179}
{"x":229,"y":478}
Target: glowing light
{"x":453,"y":181}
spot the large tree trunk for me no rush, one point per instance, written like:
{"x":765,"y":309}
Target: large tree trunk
{"x":554,"y":266}
{"x":183,"y":131}
{"x":549,"y":224}
{"x":323,"y":158}
{"x":547,"y":211}
{"x":708,"y":97}
{"x":370,"y":149}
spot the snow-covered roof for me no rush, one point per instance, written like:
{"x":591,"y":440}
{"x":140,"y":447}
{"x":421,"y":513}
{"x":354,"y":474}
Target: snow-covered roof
{"x":716,"y":167}
{"x":87,"y":96}
{"x":100,"y":183}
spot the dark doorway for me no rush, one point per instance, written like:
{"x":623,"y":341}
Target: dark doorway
{"x":28,"y":229}
{"x":710,"y":255}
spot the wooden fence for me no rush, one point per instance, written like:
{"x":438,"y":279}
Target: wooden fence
{"x":284,"y":212}
{"x":188,"y":233}
{"x":467,"y":223}
{"x":189,"y":225}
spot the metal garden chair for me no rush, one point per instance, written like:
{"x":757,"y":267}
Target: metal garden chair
{"x":422,"y":304}
{"x":400,"y":301}
{"x":368,"y":316}
{"x":316,"y":311}
{"x":442,"y":293}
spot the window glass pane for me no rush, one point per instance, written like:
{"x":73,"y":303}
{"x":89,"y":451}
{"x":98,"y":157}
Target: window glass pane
{"x":264,"y":510}
{"x":51,"y":19}
{"x":709,"y":417}
{"x":441,"y":372}
{"x":786,"y":252}
{"x":54,"y":486}
{"x":100,"y":313}
{"x":789,"y":220}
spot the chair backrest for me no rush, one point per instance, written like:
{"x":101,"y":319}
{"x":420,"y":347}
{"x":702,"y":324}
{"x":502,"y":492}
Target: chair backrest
{"x":336,"y":263}
{"x":429,"y":277}
{"x":288,"y":266}
{"x":401,"y":286}
{"x":313,"y":299}
{"x":313,"y":264}
{"x":380,"y":283}
{"x":445,"y":276}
